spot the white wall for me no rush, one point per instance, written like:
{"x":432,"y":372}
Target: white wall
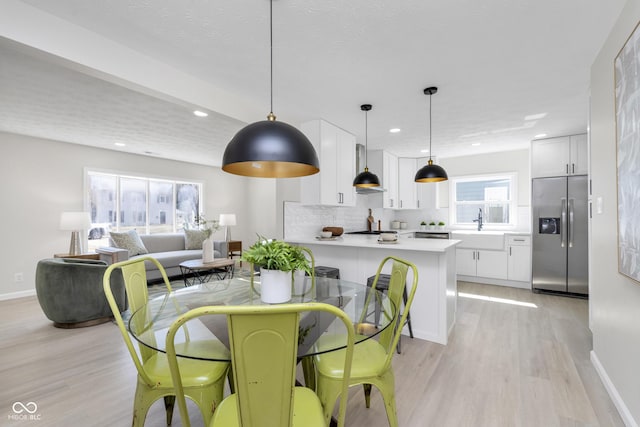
{"x":614,"y":299}
{"x":42,"y":178}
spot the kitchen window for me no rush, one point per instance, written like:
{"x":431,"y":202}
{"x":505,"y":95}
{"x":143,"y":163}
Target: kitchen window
{"x":494,"y":194}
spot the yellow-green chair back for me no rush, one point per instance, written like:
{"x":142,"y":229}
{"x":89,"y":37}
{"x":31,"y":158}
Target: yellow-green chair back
{"x":372,"y":358}
{"x":205,"y":379}
{"x":264,"y":342}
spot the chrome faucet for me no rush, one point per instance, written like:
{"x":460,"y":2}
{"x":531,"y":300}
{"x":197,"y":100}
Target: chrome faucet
{"x":479,"y":219}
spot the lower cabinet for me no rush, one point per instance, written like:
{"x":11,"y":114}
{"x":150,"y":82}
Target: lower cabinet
{"x":482,"y":263}
{"x":519,"y":250}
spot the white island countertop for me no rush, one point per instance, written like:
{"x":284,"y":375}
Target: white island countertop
{"x":371,"y":241}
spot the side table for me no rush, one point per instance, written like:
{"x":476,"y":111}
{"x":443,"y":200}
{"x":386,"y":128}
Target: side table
{"x":79,"y":256}
{"x":234,"y":248}
{"x":201,"y":272}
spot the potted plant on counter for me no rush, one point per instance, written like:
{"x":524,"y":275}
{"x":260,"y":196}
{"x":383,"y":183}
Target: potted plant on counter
{"x":277,"y":261}
{"x":432,"y":225}
{"x":423,"y":225}
{"x":441,"y":225}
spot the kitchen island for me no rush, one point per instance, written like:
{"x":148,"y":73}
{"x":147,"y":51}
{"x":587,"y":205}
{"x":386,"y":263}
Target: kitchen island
{"x":433,"y":312}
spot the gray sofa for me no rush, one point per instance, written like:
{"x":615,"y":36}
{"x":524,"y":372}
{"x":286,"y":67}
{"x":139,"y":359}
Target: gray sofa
{"x":168,"y":248}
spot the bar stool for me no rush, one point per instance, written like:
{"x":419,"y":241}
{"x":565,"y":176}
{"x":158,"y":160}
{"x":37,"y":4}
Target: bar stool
{"x":383,"y":286}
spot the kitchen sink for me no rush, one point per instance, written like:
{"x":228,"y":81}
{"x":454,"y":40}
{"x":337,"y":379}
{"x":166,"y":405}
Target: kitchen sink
{"x":479,"y":239}
{"x":370,"y":232}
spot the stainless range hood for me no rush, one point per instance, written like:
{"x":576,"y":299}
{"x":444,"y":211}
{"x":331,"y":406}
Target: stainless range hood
{"x":360,"y":163}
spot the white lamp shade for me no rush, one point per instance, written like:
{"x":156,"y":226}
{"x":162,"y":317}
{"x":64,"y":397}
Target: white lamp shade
{"x":75,"y":221}
{"x":227,"y":219}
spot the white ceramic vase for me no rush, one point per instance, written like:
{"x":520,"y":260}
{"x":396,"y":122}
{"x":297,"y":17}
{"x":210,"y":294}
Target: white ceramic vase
{"x":207,"y":250}
{"x":275,"y":286}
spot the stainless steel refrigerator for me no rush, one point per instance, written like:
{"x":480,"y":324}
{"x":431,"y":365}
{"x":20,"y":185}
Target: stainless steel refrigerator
{"x":560,"y":235}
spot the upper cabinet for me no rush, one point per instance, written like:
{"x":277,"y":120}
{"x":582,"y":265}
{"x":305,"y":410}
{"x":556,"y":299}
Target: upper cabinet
{"x":389,"y":180}
{"x":428,"y":191}
{"x":562,"y":156}
{"x":336,"y":149}
{"x":407,"y":187}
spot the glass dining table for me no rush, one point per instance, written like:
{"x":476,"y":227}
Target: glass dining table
{"x":207,"y":338}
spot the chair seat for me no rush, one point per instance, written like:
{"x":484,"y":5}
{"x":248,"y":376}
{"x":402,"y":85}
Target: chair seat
{"x":194,"y":372}
{"x":307,"y":410}
{"x":369,"y":358}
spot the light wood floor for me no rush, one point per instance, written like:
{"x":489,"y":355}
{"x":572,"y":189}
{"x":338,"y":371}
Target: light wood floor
{"x":506,"y":365}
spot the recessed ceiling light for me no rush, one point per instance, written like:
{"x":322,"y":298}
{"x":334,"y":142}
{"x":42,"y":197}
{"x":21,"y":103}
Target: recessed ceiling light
{"x":540,"y":135}
{"x":424,"y":151}
{"x":394,"y":130}
{"x":120,"y":144}
{"x":475,"y":144}
{"x":535,"y":116}
{"x":200,"y":113}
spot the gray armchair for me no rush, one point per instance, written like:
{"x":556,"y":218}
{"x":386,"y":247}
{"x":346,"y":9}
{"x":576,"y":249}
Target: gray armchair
{"x":70,"y":292}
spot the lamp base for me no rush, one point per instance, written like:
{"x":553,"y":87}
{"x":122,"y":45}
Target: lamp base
{"x":75,"y":248}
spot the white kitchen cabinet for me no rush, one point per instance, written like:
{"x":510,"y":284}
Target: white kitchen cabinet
{"x":390,"y":180}
{"x":481,"y":263}
{"x":427,"y":191}
{"x":561,"y":156}
{"x":407,"y":187}
{"x":519,"y":251}
{"x":336,"y":149}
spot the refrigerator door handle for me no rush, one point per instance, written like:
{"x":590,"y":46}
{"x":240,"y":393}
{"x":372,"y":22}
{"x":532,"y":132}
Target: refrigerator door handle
{"x":571,"y":221}
{"x":563,"y":223}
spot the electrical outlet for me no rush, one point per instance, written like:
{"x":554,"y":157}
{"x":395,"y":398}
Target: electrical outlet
{"x":18,"y":277}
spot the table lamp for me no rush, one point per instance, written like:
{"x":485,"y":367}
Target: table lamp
{"x":227,"y":220}
{"x":75,"y":222}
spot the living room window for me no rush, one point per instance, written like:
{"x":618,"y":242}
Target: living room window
{"x":494,"y":194}
{"x":149,"y":205}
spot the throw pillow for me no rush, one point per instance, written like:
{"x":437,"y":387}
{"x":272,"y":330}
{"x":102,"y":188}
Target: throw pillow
{"x":193,"y":239}
{"x":130,"y":241}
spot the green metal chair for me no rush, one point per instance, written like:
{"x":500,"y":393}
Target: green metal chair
{"x":264,"y":342}
{"x":203,"y":380}
{"x":371,"y":358}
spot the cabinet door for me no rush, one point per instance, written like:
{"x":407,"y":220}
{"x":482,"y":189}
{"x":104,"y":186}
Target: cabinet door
{"x":427,"y":192}
{"x":491,"y":264}
{"x":466,"y":262}
{"x":346,"y":167}
{"x":328,"y":164}
{"x":519,"y":263}
{"x":579,"y":155}
{"x":550,"y":157}
{"x":407,"y":191}
{"x":390,"y":176}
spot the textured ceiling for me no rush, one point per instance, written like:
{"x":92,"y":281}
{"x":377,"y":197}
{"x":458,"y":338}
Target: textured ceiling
{"x":496,"y":63}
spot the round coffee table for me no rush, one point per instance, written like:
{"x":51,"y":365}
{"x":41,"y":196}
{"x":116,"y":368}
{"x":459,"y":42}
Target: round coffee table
{"x":201,"y":272}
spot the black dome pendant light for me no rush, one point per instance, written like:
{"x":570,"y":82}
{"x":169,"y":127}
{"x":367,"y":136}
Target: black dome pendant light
{"x":270,"y":149}
{"x":431,"y":172}
{"x":366,"y":179}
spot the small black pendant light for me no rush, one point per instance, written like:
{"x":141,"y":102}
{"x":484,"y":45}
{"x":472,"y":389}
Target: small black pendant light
{"x":270,"y":149}
{"x":431,"y":172}
{"x":366,"y":179}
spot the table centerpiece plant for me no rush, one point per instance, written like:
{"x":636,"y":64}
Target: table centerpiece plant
{"x":278,"y":260}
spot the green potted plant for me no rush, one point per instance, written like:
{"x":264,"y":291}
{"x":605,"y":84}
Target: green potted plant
{"x":441,"y":225}
{"x":423,"y":225}
{"x":432,"y":225}
{"x":277,"y":261}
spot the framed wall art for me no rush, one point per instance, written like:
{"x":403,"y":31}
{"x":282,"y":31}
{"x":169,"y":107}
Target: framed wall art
{"x":627,"y":103}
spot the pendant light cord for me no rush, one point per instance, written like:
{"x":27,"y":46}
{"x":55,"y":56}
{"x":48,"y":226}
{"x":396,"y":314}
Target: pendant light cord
{"x":366,"y":141}
{"x":271,"y":52}
{"x":430,"y":126}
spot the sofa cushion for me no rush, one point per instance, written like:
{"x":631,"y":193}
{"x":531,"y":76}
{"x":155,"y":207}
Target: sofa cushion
{"x":163,"y":242}
{"x":129,"y":240}
{"x":193,"y":239}
{"x":174,"y":258}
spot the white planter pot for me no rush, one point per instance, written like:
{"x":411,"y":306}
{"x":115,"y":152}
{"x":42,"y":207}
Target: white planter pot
{"x":207,"y":250}
{"x":275,"y":286}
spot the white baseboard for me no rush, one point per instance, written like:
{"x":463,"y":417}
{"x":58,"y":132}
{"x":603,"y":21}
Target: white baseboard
{"x":626,"y":416}
{"x":20,"y":294}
